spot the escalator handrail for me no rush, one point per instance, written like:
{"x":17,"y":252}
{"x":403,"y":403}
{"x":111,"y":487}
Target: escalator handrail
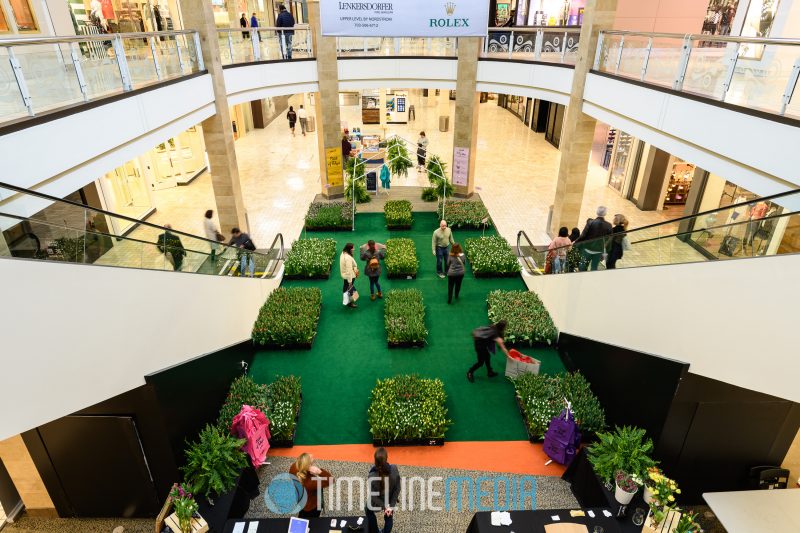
{"x":278,"y":237}
{"x":532,"y":269}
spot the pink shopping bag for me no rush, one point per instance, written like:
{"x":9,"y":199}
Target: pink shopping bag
{"x":252,"y":424}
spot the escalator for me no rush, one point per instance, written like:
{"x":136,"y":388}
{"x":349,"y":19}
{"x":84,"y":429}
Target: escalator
{"x":67,"y":231}
{"x":759,"y":227}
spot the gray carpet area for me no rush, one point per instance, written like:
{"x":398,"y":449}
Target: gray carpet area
{"x":551,"y":493}
{"x":27,"y":524}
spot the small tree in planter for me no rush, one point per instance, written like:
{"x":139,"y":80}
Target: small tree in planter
{"x":214,"y":462}
{"x":437,"y":176}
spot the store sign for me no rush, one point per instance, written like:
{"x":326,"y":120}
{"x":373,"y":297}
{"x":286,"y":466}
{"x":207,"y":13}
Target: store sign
{"x":404,"y":18}
{"x":333,"y":160}
{"x":460,"y":166}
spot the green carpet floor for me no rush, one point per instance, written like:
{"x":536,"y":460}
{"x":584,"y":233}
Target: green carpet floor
{"x":350,"y":350}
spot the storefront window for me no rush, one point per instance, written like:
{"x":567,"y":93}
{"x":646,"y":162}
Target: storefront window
{"x":122,"y":16}
{"x":679,"y":183}
{"x":23,"y":15}
{"x":757,"y":23}
{"x":619,"y":164}
{"x":719,"y":18}
{"x":553,"y":12}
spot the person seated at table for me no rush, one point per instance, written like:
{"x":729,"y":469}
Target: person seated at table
{"x":383,"y":482}
{"x":312,"y":478}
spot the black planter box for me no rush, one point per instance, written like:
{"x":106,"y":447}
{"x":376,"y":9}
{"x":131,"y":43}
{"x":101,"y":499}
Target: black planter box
{"x":298,"y":346}
{"x":233,"y":504}
{"x":329,"y":228}
{"x":495,"y":274}
{"x":301,"y":277}
{"x":521,"y":345}
{"x":289,"y":443}
{"x":408,"y":442}
{"x":531,"y":438}
{"x":406,"y":344}
{"x":402,"y":276}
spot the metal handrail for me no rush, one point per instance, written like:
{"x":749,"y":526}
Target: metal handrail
{"x":24,"y":41}
{"x":278,"y":259}
{"x":535,"y":29}
{"x":264,"y":28}
{"x":706,"y":37}
{"x":530,"y":263}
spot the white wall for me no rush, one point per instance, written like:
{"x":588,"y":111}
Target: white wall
{"x":397,"y":73}
{"x":550,"y":83}
{"x":75,"y":335}
{"x":252,"y":82}
{"x":734,"y":321}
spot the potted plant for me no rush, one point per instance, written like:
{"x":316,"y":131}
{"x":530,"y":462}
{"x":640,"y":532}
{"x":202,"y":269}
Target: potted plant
{"x":214,"y":462}
{"x":626,"y":449}
{"x":355,"y":171}
{"x":627,"y":485}
{"x":185,"y":507}
{"x":687,"y":524}
{"x":397,"y":157}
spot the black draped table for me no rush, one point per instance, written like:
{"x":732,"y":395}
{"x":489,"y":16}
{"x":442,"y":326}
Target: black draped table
{"x":535,"y":521}
{"x":316,"y":525}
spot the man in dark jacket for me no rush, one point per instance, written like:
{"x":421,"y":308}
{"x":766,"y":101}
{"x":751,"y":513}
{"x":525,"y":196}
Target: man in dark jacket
{"x":285,"y":20}
{"x":245,"y":246}
{"x":170,"y":245}
{"x":593,"y":250}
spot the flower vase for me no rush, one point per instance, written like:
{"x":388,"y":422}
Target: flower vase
{"x":624,"y":497}
{"x":647,"y":495}
{"x":185,"y":524}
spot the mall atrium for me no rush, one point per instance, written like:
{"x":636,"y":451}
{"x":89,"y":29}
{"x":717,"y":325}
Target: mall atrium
{"x":256,"y":254}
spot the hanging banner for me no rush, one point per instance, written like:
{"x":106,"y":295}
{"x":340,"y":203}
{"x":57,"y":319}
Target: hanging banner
{"x":333,"y":159}
{"x":404,"y":18}
{"x":460,"y":166}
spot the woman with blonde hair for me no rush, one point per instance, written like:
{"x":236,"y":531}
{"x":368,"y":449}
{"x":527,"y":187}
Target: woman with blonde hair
{"x":312,"y":478}
{"x":618,"y":235}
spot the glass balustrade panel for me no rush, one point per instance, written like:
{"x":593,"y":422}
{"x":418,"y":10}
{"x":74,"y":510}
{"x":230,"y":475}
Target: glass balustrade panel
{"x":50,"y":76}
{"x":140,"y":61}
{"x":664,"y":62}
{"x":633,"y":56}
{"x":11,"y":104}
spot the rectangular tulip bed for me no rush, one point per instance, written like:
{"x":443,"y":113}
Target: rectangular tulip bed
{"x":310,"y":259}
{"x":401,"y":258}
{"x":529,"y":322}
{"x":404,"y":317}
{"x":541,"y":397}
{"x":491,"y":257}
{"x":329,"y":216}
{"x":468,"y":214}
{"x":280,"y":401}
{"x":408,"y":410}
{"x":398,"y":214}
{"x":288,"y":319}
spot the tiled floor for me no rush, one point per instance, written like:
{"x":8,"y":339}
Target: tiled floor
{"x":516,"y":175}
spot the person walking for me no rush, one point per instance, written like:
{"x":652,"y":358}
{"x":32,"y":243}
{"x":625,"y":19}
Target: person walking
{"x":212,"y":233}
{"x":383,"y":482}
{"x":574,"y":234}
{"x":557,"y":251}
{"x":291,"y":116}
{"x":349,"y":272}
{"x":455,"y":271}
{"x":372,"y":253}
{"x":285,"y":20}
{"x":486,"y":339}
{"x":422,"y":151}
{"x":313,"y":479}
{"x":254,"y":23}
{"x":245,"y":246}
{"x":243,"y":25}
{"x":592,"y":242}
{"x":441,"y":241}
{"x":171,"y":246}
{"x":618,"y":236}
{"x":302,"y":115}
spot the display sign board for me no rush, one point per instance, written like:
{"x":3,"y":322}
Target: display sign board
{"x":460,"y":166}
{"x":333,"y":159}
{"x":404,"y":18}
{"x":372,"y":181}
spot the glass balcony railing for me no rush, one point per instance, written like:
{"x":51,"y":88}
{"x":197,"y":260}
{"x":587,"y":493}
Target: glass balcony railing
{"x":65,"y":231}
{"x":41,"y":74}
{"x":249,"y":45}
{"x":750,"y":72}
{"x":397,"y":46}
{"x":756,"y":228}
{"x":550,"y":44}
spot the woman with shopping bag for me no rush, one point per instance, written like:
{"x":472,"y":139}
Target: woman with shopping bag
{"x":349,"y":272}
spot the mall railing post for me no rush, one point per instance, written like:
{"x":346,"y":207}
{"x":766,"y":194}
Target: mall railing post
{"x":684,"y":63}
{"x":20,"y":77}
{"x":486,"y":43}
{"x":511,"y":44}
{"x":230,"y":47}
{"x":76,"y":64}
{"x":122,"y":63}
{"x":791,"y":86}
{"x":619,"y":54}
{"x":599,"y":52}
{"x":155,"y":56}
{"x":397,"y":46}
{"x":732,"y":60}
{"x":201,"y":65}
{"x":181,"y":62}
{"x":538,"y":43}
{"x":255,"y":39}
{"x":365,"y":46}
{"x":308,"y":44}
{"x":564,"y":47}
{"x":646,"y":58}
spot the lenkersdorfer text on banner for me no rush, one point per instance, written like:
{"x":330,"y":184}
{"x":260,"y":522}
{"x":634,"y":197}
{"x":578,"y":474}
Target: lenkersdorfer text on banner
{"x":404,"y":18}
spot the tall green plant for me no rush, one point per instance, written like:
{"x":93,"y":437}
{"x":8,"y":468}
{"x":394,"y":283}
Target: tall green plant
{"x":397,"y":157}
{"x":355,"y":171}
{"x":214,"y":462}
{"x":437,"y":176}
{"x":626,"y":448}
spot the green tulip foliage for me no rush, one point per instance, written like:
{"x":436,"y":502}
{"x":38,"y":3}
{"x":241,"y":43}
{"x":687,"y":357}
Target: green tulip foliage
{"x":466,"y":214}
{"x":398,"y":214}
{"x":542,"y":397}
{"x":310,"y":258}
{"x":491,"y":256}
{"x":527,"y":317}
{"x":404,"y":316}
{"x":279,"y":401}
{"x":329,"y":216}
{"x":408,"y":407}
{"x":289,"y":317}
{"x":401,"y":257}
